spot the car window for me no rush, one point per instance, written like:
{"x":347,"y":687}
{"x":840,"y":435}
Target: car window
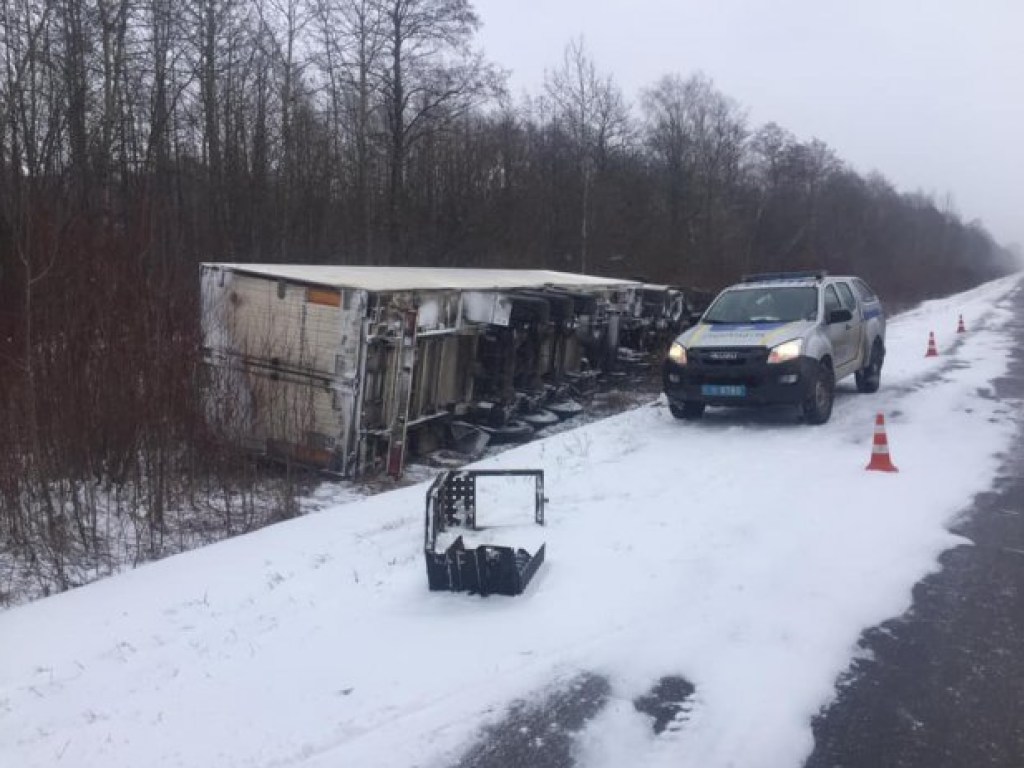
{"x":831,"y":300}
{"x":764,"y":305}
{"x":864,"y":291}
{"x":846,"y":297}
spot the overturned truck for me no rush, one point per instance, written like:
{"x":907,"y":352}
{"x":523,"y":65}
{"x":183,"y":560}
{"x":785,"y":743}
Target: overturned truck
{"x":353,"y":369}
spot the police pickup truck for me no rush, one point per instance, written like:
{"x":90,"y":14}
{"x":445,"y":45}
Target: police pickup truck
{"x":781,"y":338}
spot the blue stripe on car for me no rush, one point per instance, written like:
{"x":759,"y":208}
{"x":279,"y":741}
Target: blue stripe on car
{"x":731,"y":328}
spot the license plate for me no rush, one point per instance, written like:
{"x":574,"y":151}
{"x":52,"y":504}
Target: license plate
{"x":724,"y":390}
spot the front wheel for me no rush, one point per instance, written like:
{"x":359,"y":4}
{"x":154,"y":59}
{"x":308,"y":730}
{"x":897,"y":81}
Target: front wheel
{"x":687,"y":411}
{"x":869,"y":378}
{"x":817,"y":407}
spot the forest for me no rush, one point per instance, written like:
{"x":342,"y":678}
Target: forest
{"x":139,"y":138}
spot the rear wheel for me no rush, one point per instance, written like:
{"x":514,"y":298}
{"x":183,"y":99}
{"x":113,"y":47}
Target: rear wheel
{"x":687,"y":411}
{"x":869,"y":378}
{"x":817,"y":407}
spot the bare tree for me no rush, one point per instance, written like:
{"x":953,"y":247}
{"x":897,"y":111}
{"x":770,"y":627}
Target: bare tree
{"x":351,"y":44}
{"x":591,"y":108}
{"x":698,"y":136}
{"x":112,"y":16}
{"x":214,"y":28}
{"x":283,"y":22}
{"x":429,"y":78}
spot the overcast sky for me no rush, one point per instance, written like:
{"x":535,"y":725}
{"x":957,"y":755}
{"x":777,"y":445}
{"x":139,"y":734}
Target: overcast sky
{"x":929,"y":92}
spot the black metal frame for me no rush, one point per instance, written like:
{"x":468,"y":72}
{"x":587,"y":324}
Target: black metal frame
{"x":487,"y":569}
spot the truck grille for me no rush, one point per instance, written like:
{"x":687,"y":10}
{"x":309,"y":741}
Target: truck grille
{"x":728,"y":357}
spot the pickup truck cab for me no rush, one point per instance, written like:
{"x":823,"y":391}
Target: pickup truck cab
{"x":781,"y":338}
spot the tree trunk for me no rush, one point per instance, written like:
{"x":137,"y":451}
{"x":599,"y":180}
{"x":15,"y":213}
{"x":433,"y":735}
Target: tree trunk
{"x":396,"y":196}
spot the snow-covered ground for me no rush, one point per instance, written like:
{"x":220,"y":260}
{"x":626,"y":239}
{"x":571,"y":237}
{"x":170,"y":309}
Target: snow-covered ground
{"x":745,"y":553}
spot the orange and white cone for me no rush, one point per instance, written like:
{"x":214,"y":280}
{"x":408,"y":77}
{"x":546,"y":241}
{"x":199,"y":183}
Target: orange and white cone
{"x":960,"y":327}
{"x":880,"y":460}
{"x":933,"y":351}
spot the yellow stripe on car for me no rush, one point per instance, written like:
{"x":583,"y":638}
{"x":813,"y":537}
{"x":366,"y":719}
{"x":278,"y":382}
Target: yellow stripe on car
{"x":767,"y":340}
{"x":697,"y":335}
{"x":771,"y":337}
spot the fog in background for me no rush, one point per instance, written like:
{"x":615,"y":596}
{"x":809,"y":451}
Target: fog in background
{"x":928,"y":93}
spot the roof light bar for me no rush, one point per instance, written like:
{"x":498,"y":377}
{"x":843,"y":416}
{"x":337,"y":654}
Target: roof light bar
{"x":765,"y":277}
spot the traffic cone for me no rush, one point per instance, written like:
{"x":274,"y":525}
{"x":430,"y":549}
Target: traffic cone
{"x":960,"y":326}
{"x":933,"y":351}
{"x":880,"y":461}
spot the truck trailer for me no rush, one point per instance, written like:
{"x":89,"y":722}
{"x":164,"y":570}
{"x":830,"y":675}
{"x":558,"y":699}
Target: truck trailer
{"x":352,"y":368}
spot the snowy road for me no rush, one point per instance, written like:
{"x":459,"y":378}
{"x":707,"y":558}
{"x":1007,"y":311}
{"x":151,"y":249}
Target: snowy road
{"x":744,"y":554}
{"x":943,"y":685}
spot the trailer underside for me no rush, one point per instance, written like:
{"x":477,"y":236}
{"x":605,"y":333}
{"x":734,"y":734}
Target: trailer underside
{"x":354,"y":370}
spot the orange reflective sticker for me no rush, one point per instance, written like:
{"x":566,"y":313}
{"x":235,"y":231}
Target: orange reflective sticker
{"x":323,"y":296}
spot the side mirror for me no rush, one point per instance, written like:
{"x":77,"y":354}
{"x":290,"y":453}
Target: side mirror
{"x":839,"y":316}
{"x":695,"y":317}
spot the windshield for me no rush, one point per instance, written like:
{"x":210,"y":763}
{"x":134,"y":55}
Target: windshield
{"x":764,"y":305}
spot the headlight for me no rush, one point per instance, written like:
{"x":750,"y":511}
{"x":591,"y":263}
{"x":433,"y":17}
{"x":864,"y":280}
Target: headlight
{"x":789,"y":350}
{"x":677,"y":353}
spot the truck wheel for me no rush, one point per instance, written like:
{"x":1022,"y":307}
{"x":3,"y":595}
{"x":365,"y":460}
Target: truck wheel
{"x":869,"y":378}
{"x":515,"y":431}
{"x":817,"y":407}
{"x":687,"y":411}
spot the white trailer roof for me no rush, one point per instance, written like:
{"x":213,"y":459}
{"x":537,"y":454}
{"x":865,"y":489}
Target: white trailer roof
{"x":421,"y":278}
